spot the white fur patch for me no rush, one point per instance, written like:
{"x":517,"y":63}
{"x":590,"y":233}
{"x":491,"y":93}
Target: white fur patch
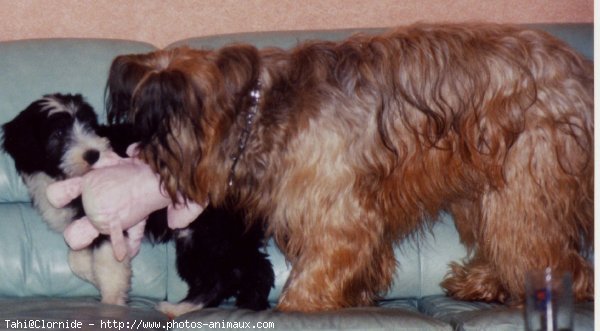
{"x":185,"y":237}
{"x":56,"y":218}
{"x":184,"y":233}
{"x":53,"y":106}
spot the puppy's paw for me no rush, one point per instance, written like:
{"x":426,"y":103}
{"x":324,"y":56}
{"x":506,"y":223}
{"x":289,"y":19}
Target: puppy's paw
{"x":176,"y":309}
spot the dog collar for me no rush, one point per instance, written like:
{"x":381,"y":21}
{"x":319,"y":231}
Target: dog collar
{"x":250,"y":116}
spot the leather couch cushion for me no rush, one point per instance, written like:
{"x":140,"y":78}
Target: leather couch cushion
{"x":370,"y":318}
{"x":472,"y":316}
{"x":34,"y":261}
{"x":41,"y":313}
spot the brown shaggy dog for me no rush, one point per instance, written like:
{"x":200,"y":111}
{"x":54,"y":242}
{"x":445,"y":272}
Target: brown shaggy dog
{"x":349,"y":147}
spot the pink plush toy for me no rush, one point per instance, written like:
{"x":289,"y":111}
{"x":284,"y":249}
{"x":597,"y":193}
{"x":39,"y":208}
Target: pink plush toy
{"x":117,"y":195}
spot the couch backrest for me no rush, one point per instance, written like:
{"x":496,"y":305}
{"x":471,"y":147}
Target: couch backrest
{"x":32,"y":68}
{"x":580,"y":36}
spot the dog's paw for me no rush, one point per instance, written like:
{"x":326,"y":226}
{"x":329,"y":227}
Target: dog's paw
{"x":474,"y":283}
{"x":176,"y":309}
{"x":114,"y":300}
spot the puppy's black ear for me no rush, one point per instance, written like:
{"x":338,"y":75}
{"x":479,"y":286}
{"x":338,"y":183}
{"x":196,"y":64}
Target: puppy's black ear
{"x":126,"y":72}
{"x":239,"y":65}
{"x":20,"y":142}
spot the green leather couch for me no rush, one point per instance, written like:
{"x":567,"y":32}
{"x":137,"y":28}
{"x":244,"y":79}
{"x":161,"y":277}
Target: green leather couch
{"x":37,"y":287}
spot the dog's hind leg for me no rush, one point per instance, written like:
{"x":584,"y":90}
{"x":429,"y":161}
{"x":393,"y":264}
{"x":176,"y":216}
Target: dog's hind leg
{"x":473,"y":279}
{"x":344,"y":262}
{"x":539,"y":218}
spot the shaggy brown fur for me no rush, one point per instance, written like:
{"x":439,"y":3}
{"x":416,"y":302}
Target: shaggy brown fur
{"x":357,"y":144}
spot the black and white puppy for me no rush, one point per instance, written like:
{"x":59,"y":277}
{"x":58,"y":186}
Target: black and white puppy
{"x":54,"y":138}
{"x":58,"y":137}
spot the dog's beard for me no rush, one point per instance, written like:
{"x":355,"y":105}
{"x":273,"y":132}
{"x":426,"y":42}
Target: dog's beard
{"x":81,"y":141}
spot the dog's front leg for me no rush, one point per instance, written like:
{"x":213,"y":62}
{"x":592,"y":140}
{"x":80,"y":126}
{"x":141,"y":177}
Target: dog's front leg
{"x":340,"y":265}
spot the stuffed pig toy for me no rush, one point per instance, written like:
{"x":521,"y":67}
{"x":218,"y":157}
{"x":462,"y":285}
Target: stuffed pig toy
{"x":117,"y":195}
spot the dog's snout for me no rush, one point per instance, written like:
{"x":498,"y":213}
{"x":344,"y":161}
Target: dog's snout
{"x":91,"y":156}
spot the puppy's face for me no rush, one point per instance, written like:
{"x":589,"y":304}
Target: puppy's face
{"x":55,"y":135}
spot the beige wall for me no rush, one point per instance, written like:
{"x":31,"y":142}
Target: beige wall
{"x":163,"y":21}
